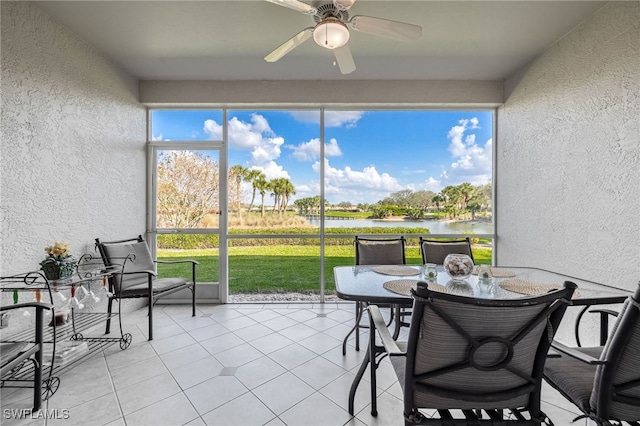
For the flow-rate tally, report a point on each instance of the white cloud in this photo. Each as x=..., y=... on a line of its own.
x=256, y=137
x=272, y=170
x=331, y=118
x=213, y=129
x=474, y=165
x=431, y=184
x=309, y=151
x=368, y=178
x=458, y=145
x=472, y=161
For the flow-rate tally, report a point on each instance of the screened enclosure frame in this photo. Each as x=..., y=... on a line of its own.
x=222, y=146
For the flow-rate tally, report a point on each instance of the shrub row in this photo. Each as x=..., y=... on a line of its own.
x=204, y=241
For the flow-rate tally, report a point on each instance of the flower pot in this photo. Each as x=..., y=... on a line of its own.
x=58, y=271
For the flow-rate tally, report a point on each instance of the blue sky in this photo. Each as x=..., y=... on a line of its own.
x=368, y=154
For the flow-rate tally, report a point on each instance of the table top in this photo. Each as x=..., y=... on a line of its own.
x=366, y=284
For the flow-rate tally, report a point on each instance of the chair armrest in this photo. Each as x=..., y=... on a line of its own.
x=576, y=354
x=142, y=271
x=195, y=262
x=377, y=323
x=27, y=305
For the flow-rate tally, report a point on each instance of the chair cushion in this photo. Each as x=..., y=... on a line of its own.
x=380, y=253
x=437, y=252
x=140, y=261
x=160, y=285
x=573, y=378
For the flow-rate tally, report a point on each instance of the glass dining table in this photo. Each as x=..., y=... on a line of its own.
x=392, y=284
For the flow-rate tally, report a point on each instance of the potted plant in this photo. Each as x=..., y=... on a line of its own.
x=59, y=263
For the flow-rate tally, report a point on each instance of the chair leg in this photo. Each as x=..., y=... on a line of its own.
x=109, y=308
x=193, y=300
x=151, y=302
x=373, y=366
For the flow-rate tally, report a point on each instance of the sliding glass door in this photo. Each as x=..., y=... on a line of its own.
x=187, y=171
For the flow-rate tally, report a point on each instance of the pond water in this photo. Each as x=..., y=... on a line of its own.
x=435, y=226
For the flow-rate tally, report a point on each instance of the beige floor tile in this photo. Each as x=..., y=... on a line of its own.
x=246, y=410
x=174, y=410
x=317, y=410
x=283, y=392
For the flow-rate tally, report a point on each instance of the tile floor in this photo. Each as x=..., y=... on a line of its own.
x=235, y=364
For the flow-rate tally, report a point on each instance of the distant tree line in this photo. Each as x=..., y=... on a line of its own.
x=188, y=188
x=452, y=200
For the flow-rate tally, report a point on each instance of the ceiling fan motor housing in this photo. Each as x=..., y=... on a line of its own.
x=329, y=10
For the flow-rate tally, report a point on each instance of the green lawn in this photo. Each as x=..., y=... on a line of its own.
x=279, y=268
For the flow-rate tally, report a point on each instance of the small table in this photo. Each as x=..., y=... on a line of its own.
x=367, y=284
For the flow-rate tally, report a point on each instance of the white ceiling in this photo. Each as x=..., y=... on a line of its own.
x=227, y=40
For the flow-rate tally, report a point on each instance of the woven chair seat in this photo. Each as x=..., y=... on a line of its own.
x=160, y=285
x=574, y=379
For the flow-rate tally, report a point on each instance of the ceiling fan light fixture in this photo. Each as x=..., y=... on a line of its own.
x=331, y=33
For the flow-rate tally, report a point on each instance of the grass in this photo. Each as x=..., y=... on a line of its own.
x=278, y=268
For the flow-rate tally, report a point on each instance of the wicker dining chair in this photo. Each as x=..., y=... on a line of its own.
x=471, y=361
x=603, y=381
x=378, y=251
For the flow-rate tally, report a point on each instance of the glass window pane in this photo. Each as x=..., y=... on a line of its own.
x=186, y=125
x=187, y=193
x=408, y=170
x=200, y=247
x=285, y=269
x=274, y=166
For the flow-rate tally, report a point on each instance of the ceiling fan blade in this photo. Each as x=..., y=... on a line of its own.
x=343, y=4
x=289, y=45
x=345, y=59
x=295, y=5
x=386, y=27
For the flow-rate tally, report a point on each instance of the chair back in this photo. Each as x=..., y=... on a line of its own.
x=435, y=251
x=388, y=251
x=129, y=256
x=616, y=388
x=468, y=353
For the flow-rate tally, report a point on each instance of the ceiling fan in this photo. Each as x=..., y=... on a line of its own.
x=331, y=30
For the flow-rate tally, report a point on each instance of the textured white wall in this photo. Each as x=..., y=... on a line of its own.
x=568, y=154
x=72, y=159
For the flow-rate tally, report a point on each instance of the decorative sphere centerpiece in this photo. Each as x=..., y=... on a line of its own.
x=458, y=266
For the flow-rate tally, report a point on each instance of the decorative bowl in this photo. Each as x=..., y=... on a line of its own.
x=458, y=266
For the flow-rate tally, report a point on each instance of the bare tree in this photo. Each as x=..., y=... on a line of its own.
x=188, y=184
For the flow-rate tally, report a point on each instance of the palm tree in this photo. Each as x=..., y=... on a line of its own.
x=466, y=191
x=236, y=174
x=274, y=187
x=261, y=184
x=453, y=195
x=287, y=191
x=438, y=199
x=252, y=176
